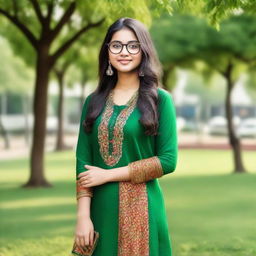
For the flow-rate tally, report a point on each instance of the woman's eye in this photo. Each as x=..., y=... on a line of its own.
x=116, y=46
x=133, y=46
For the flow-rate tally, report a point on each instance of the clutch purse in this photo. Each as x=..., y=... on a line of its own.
x=86, y=250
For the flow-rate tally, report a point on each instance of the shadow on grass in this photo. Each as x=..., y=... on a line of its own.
x=37, y=212
x=204, y=212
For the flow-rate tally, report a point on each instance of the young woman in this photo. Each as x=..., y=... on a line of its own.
x=127, y=140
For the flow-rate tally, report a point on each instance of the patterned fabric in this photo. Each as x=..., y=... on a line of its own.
x=145, y=169
x=133, y=234
x=81, y=191
x=103, y=134
x=107, y=198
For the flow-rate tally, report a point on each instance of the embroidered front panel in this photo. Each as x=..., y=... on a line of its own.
x=103, y=132
x=81, y=191
x=145, y=169
x=133, y=233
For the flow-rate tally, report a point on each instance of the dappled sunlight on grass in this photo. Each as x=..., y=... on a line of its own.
x=207, y=213
x=210, y=211
x=36, y=202
x=56, y=217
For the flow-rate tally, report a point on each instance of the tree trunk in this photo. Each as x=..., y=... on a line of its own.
x=44, y=64
x=83, y=83
x=5, y=135
x=167, y=69
x=166, y=73
x=25, y=101
x=37, y=178
x=233, y=139
x=60, y=145
x=2, y=128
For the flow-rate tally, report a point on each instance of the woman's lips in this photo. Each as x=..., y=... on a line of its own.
x=124, y=62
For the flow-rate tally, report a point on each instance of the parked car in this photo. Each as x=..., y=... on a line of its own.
x=14, y=123
x=218, y=125
x=247, y=128
x=181, y=122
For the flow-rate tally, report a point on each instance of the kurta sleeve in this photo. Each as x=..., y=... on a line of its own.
x=83, y=154
x=165, y=160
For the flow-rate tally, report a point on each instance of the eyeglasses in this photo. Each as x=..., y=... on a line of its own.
x=133, y=47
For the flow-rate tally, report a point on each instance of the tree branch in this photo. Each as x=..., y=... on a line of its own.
x=68, y=43
x=244, y=59
x=28, y=34
x=15, y=8
x=49, y=13
x=64, y=19
x=37, y=10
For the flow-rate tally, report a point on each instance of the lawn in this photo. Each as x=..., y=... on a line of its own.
x=211, y=212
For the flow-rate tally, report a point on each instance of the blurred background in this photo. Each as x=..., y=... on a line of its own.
x=49, y=64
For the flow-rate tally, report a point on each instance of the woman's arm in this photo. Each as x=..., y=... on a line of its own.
x=165, y=160
x=84, y=227
x=83, y=207
x=118, y=174
x=162, y=163
x=83, y=156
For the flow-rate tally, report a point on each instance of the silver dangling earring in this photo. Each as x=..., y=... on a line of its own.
x=141, y=73
x=109, y=70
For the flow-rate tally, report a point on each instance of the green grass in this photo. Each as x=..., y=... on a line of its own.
x=210, y=211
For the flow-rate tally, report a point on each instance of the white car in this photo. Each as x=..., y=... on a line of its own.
x=218, y=125
x=181, y=122
x=247, y=128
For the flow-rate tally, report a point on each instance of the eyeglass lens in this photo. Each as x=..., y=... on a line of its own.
x=132, y=47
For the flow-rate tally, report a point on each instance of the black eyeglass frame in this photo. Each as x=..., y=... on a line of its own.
x=108, y=44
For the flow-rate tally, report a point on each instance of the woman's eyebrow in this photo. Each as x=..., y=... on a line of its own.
x=136, y=41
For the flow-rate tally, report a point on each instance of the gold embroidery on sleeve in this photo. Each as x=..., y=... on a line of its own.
x=81, y=191
x=145, y=169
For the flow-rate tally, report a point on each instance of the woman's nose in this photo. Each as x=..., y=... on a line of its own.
x=124, y=51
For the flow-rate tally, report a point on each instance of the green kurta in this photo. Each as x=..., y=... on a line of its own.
x=135, y=145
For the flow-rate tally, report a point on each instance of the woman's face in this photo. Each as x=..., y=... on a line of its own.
x=125, y=61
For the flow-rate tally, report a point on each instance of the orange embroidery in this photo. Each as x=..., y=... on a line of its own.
x=103, y=134
x=133, y=235
x=81, y=191
x=145, y=169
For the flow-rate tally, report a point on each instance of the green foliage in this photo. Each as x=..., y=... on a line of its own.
x=251, y=81
x=210, y=92
x=14, y=74
x=218, y=10
x=182, y=40
x=19, y=45
x=238, y=35
x=175, y=38
x=85, y=12
x=214, y=10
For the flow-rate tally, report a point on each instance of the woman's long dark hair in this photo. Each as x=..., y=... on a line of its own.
x=148, y=97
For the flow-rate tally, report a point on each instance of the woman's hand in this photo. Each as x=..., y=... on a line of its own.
x=84, y=233
x=93, y=177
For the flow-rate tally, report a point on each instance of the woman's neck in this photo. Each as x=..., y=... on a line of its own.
x=127, y=81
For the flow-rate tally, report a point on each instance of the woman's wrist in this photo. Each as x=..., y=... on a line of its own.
x=83, y=215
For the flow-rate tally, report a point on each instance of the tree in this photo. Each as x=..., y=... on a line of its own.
x=15, y=77
x=60, y=72
x=79, y=65
x=18, y=13
x=39, y=23
x=218, y=50
x=176, y=43
x=214, y=10
x=228, y=57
